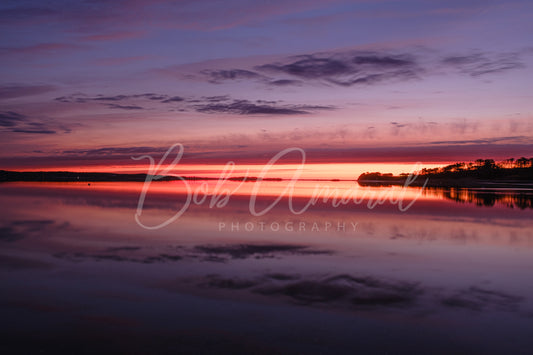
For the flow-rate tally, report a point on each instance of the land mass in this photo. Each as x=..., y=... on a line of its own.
x=68, y=176
x=481, y=173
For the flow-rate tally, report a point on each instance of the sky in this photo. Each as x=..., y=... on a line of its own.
x=86, y=85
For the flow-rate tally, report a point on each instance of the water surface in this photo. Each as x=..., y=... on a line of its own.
x=451, y=273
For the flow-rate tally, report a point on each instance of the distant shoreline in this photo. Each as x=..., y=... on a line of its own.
x=68, y=176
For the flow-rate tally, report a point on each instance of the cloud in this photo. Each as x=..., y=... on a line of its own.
x=341, y=68
x=71, y=99
x=205, y=104
x=10, y=118
x=384, y=60
x=82, y=98
x=345, y=68
x=245, y=107
x=358, y=68
x=479, y=64
x=108, y=98
x=310, y=68
x=514, y=139
x=125, y=107
x=172, y=99
x=121, y=102
x=19, y=123
x=217, y=76
x=285, y=82
x=128, y=151
x=34, y=131
x=103, y=99
x=14, y=91
x=218, y=98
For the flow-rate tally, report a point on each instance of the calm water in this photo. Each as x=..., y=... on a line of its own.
x=452, y=273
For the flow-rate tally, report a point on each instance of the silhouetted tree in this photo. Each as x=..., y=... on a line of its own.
x=522, y=162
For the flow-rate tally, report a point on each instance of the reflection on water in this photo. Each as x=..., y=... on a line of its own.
x=486, y=197
x=341, y=279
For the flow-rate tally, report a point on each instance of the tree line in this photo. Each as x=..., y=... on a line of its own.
x=485, y=168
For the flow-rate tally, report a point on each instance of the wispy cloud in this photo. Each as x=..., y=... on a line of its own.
x=361, y=68
x=217, y=76
x=82, y=98
x=513, y=139
x=204, y=104
x=18, y=123
x=347, y=69
x=35, y=130
x=10, y=118
x=285, y=82
x=479, y=64
x=121, y=102
x=116, y=151
x=245, y=107
x=341, y=68
x=125, y=107
x=166, y=100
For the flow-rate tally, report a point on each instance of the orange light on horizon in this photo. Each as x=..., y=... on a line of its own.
x=317, y=171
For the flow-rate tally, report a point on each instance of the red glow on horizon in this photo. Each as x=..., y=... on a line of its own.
x=319, y=171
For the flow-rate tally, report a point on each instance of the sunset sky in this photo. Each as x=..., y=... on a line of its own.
x=85, y=85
